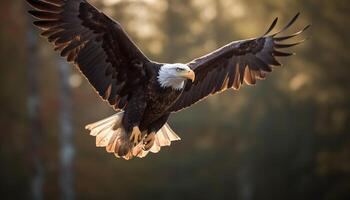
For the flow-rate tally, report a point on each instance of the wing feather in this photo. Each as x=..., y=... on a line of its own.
x=96, y=44
x=239, y=62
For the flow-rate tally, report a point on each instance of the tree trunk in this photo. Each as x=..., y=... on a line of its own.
x=245, y=183
x=66, y=138
x=33, y=102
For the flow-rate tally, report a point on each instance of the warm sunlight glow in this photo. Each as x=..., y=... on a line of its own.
x=75, y=80
x=110, y=2
x=298, y=81
x=238, y=10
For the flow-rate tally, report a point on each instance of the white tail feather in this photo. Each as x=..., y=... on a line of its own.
x=109, y=133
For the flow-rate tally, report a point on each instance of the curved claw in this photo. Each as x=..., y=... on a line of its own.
x=149, y=141
x=135, y=137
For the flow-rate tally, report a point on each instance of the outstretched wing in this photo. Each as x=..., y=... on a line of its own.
x=96, y=44
x=238, y=62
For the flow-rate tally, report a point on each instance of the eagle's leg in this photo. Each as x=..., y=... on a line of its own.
x=133, y=117
x=153, y=129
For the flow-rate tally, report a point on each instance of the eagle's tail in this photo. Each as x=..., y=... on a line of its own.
x=110, y=133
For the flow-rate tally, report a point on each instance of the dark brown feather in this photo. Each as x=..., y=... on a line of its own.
x=281, y=54
x=282, y=46
x=44, y=15
x=238, y=62
x=57, y=2
x=44, y=6
x=289, y=24
x=272, y=26
x=49, y=32
x=47, y=24
x=96, y=44
x=293, y=35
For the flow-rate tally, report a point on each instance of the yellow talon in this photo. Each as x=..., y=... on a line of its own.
x=149, y=140
x=136, y=137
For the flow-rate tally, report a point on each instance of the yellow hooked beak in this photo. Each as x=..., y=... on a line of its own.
x=189, y=75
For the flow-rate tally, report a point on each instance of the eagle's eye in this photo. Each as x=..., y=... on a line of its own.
x=178, y=69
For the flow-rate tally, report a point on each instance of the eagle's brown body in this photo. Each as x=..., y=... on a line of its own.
x=150, y=108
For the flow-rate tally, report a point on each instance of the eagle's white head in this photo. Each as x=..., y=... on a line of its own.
x=174, y=75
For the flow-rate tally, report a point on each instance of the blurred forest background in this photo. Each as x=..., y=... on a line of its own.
x=286, y=138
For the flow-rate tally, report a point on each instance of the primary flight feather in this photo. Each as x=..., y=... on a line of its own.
x=143, y=92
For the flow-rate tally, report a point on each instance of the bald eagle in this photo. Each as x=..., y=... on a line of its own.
x=143, y=92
